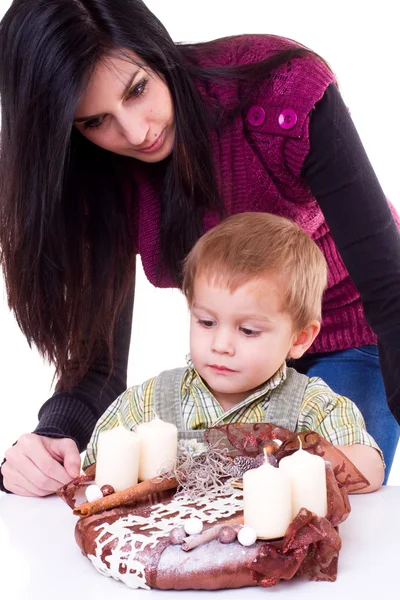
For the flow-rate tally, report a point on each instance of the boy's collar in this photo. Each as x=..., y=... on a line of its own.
x=273, y=382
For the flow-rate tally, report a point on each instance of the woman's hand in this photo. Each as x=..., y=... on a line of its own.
x=38, y=465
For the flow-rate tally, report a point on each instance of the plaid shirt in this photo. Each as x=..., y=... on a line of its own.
x=334, y=417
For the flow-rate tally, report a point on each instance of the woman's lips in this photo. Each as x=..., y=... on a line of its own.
x=157, y=144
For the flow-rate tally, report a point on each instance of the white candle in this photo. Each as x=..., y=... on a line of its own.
x=266, y=501
x=307, y=482
x=117, y=462
x=158, y=447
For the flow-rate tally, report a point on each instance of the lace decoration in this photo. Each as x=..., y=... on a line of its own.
x=130, y=535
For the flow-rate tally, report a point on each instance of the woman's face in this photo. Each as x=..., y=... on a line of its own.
x=127, y=109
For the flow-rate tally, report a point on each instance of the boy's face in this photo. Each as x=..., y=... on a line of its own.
x=238, y=340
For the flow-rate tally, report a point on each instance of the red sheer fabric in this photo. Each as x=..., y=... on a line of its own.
x=250, y=439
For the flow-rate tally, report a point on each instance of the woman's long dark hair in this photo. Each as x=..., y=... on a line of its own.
x=66, y=247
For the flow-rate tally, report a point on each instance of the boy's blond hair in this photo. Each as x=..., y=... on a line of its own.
x=251, y=245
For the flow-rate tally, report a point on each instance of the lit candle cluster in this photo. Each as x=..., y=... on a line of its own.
x=273, y=496
x=124, y=456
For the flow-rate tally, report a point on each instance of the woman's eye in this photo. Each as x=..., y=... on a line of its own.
x=138, y=89
x=93, y=123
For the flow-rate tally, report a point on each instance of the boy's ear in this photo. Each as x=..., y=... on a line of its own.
x=303, y=339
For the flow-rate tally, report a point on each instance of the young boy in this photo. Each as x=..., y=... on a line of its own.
x=254, y=286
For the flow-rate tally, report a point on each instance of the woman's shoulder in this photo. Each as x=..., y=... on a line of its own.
x=243, y=49
x=299, y=80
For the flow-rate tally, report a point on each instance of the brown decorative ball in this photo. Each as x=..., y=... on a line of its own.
x=271, y=447
x=227, y=535
x=106, y=490
x=177, y=535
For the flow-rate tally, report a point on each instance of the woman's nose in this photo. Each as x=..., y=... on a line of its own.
x=134, y=129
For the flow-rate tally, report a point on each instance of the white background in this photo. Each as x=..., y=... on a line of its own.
x=359, y=40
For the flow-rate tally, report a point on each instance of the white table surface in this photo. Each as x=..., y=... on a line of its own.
x=40, y=560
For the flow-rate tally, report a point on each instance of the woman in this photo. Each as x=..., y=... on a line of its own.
x=116, y=141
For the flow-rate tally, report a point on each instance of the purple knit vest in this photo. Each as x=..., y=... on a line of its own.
x=258, y=168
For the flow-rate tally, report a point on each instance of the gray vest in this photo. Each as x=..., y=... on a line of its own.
x=283, y=406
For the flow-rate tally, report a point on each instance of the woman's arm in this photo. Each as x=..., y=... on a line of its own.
x=41, y=461
x=342, y=180
x=74, y=414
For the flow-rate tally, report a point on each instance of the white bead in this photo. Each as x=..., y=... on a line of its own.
x=93, y=492
x=193, y=526
x=247, y=536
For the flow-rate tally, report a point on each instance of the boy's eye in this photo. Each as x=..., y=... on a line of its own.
x=206, y=323
x=250, y=332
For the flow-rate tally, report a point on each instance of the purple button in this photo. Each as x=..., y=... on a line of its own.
x=287, y=119
x=256, y=116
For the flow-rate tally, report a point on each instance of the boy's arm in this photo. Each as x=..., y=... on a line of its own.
x=134, y=406
x=367, y=460
x=338, y=420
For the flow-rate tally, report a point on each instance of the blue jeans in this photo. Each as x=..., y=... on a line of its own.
x=356, y=373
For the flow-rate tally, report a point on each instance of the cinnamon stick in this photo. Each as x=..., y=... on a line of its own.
x=131, y=494
x=192, y=541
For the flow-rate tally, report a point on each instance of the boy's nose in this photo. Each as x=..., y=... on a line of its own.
x=223, y=342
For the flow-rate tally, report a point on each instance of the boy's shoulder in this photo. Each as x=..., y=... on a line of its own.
x=318, y=388
x=318, y=383
x=320, y=398
x=167, y=377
